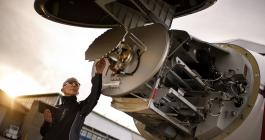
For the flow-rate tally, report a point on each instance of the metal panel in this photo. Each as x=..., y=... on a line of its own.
x=104, y=43
x=155, y=37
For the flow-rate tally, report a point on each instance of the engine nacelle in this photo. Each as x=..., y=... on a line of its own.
x=176, y=86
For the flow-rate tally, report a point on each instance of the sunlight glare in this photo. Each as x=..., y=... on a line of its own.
x=16, y=83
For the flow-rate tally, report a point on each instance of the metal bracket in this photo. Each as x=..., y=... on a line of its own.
x=148, y=11
x=171, y=120
x=157, y=11
x=126, y=16
x=186, y=102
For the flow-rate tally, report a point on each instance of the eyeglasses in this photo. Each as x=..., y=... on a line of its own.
x=73, y=82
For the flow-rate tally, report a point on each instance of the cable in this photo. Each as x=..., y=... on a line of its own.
x=137, y=66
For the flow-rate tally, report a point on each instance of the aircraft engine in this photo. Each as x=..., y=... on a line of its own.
x=176, y=86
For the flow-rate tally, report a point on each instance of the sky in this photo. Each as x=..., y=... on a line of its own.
x=37, y=55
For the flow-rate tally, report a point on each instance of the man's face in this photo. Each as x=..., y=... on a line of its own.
x=71, y=88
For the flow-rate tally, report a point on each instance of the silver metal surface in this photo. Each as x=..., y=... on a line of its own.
x=104, y=43
x=180, y=79
x=171, y=120
x=185, y=101
x=156, y=39
x=189, y=71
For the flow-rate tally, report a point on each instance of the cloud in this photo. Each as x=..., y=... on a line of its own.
x=42, y=49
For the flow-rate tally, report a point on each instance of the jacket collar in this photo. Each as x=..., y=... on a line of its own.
x=69, y=100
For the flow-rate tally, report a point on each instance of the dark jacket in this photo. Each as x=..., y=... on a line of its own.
x=70, y=115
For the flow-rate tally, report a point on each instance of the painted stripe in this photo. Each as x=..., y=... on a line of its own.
x=154, y=93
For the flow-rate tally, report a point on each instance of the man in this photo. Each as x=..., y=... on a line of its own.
x=66, y=122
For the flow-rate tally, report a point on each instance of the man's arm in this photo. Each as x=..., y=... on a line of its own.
x=90, y=102
x=45, y=128
x=47, y=124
